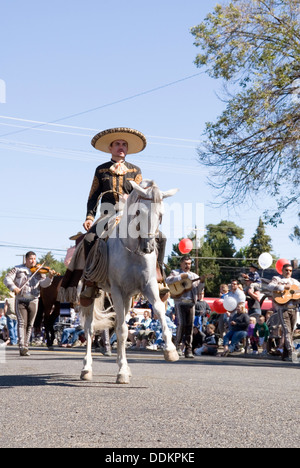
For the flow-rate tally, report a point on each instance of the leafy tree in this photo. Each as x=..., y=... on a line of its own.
x=217, y=242
x=4, y=291
x=173, y=259
x=220, y=237
x=52, y=263
x=260, y=242
x=254, y=46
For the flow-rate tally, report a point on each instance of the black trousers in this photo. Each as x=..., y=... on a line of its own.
x=26, y=312
x=186, y=318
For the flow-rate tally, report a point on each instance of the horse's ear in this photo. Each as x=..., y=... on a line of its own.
x=140, y=190
x=169, y=193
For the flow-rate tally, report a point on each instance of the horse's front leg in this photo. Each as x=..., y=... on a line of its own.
x=152, y=294
x=121, y=308
x=87, y=372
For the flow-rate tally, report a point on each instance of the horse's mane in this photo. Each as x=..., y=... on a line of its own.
x=146, y=184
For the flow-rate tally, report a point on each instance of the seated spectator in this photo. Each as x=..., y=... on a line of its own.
x=143, y=303
x=158, y=339
x=261, y=335
x=153, y=333
x=198, y=338
x=143, y=325
x=72, y=334
x=146, y=320
x=132, y=325
x=148, y=333
x=210, y=344
x=238, y=327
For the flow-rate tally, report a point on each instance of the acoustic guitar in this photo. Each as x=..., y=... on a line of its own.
x=287, y=295
x=178, y=288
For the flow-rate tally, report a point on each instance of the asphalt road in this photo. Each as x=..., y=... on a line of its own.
x=204, y=403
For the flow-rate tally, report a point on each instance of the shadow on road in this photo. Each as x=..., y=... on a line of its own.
x=58, y=380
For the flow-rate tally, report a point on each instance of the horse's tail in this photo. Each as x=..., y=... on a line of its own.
x=102, y=319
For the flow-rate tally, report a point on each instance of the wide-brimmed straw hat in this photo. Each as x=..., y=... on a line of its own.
x=76, y=236
x=135, y=139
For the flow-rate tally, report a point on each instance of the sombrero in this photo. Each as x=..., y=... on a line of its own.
x=76, y=236
x=135, y=139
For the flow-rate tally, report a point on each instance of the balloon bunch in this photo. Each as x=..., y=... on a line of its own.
x=265, y=260
x=228, y=304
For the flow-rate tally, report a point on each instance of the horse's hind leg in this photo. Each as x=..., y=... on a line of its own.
x=87, y=372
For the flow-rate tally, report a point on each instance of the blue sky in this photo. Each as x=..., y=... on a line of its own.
x=88, y=66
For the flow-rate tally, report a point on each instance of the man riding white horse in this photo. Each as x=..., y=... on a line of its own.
x=112, y=185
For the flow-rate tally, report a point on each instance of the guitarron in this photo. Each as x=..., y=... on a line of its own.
x=288, y=295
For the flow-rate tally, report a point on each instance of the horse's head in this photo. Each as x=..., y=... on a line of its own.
x=146, y=208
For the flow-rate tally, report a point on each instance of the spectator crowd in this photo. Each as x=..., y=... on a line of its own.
x=246, y=329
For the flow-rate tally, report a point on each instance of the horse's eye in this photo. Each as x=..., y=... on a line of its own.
x=138, y=212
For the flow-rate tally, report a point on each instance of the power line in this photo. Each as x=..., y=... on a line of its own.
x=103, y=106
x=75, y=127
x=78, y=155
x=10, y=244
x=38, y=129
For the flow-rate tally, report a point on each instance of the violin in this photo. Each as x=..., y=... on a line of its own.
x=43, y=270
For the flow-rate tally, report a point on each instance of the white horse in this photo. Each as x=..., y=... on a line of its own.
x=132, y=260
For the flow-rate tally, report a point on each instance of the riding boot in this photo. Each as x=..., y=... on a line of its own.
x=89, y=294
x=163, y=291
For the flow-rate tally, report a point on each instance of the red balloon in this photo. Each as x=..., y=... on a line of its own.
x=218, y=306
x=185, y=246
x=280, y=263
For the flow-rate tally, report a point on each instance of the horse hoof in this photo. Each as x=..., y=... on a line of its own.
x=123, y=379
x=171, y=356
x=86, y=375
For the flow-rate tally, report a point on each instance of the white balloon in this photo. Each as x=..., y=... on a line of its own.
x=230, y=303
x=265, y=260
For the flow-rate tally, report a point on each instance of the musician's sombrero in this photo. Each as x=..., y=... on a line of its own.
x=135, y=139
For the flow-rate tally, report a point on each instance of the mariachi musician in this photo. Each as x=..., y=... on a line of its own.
x=25, y=282
x=185, y=304
x=283, y=287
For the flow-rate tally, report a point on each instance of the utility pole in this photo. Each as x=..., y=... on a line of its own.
x=197, y=246
x=23, y=257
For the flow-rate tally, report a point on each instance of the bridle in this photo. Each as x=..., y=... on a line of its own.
x=150, y=235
